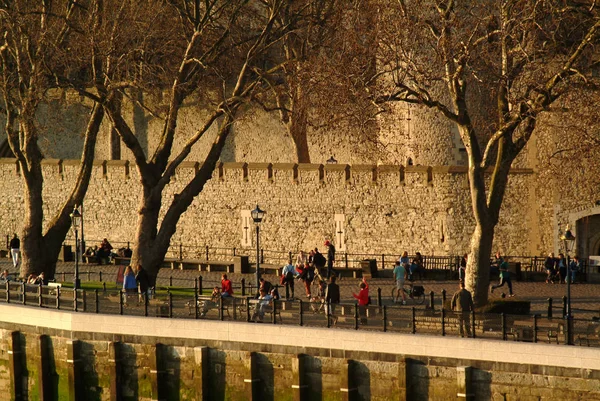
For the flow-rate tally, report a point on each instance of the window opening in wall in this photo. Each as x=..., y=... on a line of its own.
x=340, y=232
x=246, y=228
x=409, y=162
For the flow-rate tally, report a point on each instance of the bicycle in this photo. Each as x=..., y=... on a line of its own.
x=415, y=292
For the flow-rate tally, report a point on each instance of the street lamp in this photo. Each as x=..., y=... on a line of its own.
x=257, y=215
x=568, y=242
x=76, y=218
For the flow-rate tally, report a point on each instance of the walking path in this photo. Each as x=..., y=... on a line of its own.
x=585, y=298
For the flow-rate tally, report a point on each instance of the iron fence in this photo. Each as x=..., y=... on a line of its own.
x=192, y=303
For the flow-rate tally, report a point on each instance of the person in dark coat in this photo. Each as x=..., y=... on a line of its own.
x=332, y=298
x=462, y=304
x=141, y=277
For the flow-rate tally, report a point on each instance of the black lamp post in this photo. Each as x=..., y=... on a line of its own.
x=76, y=218
x=568, y=241
x=257, y=215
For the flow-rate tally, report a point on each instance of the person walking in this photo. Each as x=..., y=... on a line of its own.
x=15, y=250
x=143, y=281
x=400, y=274
x=363, y=300
x=462, y=304
x=129, y=283
x=504, y=279
x=287, y=276
x=330, y=258
x=332, y=299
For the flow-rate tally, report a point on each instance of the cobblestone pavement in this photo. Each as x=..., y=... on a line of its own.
x=585, y=298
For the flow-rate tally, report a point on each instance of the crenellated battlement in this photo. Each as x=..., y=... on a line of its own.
x=333, y=174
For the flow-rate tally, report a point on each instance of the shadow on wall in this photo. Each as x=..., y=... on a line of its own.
x=130, y=379
x=265, y=375
x=217, y=374
x=315, y=378
x=362, y=377
x=418, y=385
x=173, y=373
x=481, y=383
x=93, y=392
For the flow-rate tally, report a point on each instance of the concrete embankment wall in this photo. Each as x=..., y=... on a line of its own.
x=77, y=356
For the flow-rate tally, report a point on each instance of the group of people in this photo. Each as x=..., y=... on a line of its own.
x=136, y=282
x=309, y=267
x=412, y=267
x=556, y=268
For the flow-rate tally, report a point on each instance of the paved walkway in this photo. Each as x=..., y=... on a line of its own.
x=585, y=298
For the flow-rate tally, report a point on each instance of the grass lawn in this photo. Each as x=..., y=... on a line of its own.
x=97, y=285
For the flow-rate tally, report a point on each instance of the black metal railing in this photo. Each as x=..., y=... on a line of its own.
x=192, y=303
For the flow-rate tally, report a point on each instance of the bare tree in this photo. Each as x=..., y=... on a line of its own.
x=39, y=39
x=220, y=52
x=520, y=56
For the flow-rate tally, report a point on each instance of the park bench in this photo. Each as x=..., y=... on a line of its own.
x=121, y=261
x=207, y=265
x=523, y=329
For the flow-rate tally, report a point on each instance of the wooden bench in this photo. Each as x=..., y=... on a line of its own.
x=523, y=329
x=121, y=261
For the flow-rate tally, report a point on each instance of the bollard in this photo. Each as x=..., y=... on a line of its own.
x=248, y=309
x=549, y=308
x=443, y=317
x=146, y=302
x=301, y=313
x=384, y=318
x=40, y=299
x=243, y=287
x=414, y=320
x=97, y=300
x=569, y=333
x=120, y=302
x=431, y=300
x=196, y=310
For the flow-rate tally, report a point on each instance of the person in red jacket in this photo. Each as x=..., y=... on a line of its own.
x=363, y=300
x=226, y=288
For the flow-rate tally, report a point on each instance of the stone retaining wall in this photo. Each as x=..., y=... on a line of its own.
x=96, y=357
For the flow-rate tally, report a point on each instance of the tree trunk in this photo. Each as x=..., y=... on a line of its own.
x=33, y=251
x=478, y=266
x=145, y=252
x=298, y=130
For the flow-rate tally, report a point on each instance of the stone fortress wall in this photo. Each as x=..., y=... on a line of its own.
x=383, y=211
x=364, y=208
